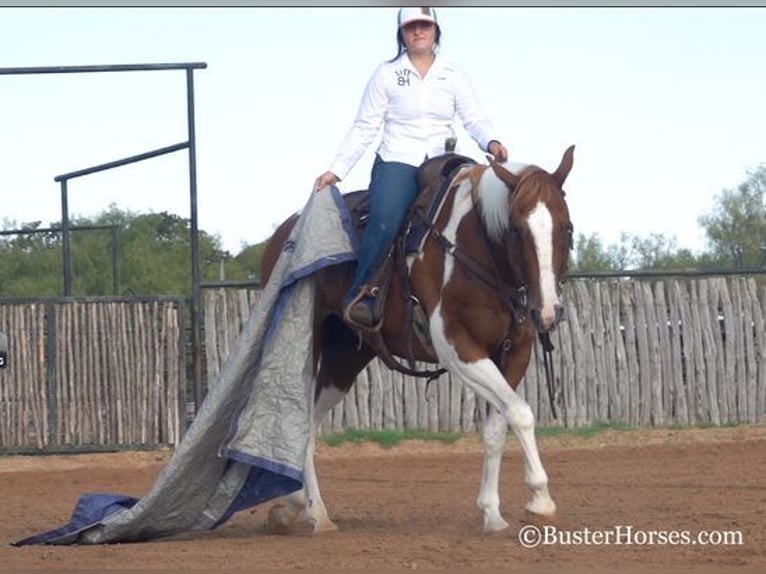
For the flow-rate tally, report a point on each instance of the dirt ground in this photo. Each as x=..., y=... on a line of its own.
x=413, y=506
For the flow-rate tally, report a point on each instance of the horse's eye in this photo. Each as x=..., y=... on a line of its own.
x=568, y=229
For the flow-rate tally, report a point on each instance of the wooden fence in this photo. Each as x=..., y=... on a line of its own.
x=639, y=352
x=85, y=373
x=112, y=371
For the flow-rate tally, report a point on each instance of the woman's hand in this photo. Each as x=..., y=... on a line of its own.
x=498, y=151
x=327, y=178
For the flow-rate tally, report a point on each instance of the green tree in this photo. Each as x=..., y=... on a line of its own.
x=655, y=251
x=590, y=254
x=736, y=228
x=30, y=264
x=247, y=263
x=154, y=257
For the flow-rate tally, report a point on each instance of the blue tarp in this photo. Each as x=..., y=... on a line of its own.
x=248, y=443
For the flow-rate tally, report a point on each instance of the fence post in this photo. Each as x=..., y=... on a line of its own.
x=50, y=366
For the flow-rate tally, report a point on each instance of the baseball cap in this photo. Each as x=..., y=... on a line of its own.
x=414, y=14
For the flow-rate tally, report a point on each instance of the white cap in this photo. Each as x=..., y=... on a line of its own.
x=414, y=14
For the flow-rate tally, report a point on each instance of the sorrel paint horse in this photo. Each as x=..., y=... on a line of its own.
x=514, y=226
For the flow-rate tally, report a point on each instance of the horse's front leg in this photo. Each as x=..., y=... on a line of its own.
x=494, y=432
x=516, y=366
x=518, y=414
x=486, y=380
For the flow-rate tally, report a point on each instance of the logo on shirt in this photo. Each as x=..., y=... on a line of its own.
x=403, y=77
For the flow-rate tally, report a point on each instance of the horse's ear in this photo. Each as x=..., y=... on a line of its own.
x=562, y=171
x=505, y=176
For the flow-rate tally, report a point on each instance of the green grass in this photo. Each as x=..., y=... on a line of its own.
x=392, y=437
x=581, y=432
x=551, y=431
x=597, y=428
x=387, y=437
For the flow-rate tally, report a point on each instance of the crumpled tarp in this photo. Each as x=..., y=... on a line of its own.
x=248, y=442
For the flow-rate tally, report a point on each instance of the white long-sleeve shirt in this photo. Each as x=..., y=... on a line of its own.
x=416, y=114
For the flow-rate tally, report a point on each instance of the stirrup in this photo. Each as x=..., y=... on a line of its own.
x=357, y=303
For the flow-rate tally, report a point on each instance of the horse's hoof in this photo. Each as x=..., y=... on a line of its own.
x=280, y=520
x=537, y=519
x=325, y=525
x=495, y=525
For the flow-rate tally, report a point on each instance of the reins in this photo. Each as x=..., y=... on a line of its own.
x=550, y=380
x=511, y=296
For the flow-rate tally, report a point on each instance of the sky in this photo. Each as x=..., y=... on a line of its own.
x=664, y=105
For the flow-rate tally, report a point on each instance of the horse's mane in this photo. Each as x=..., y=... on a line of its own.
x=494, y=198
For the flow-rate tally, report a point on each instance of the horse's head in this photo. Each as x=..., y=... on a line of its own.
x=529, y=221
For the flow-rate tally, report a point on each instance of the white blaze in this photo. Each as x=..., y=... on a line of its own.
x=540, y=225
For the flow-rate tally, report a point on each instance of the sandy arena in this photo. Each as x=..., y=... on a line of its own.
x=413, y=506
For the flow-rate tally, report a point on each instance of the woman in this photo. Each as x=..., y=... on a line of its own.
x=414, y=97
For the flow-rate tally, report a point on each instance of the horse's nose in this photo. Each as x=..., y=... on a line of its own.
x=546, y=321
x=537, y=320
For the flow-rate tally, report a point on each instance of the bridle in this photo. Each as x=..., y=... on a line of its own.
x=516, y=297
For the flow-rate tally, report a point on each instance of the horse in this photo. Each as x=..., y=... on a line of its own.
x=488, y=275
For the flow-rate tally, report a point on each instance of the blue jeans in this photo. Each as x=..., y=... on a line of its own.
x=393, y=188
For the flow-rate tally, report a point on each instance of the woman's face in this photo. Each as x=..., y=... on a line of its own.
x=419, y=36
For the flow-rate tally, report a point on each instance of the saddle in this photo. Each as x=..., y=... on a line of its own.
x=434, y=178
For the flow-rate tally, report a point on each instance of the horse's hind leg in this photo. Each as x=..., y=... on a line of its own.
x=340, y=363
x=315, y=512
x=305, y=507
